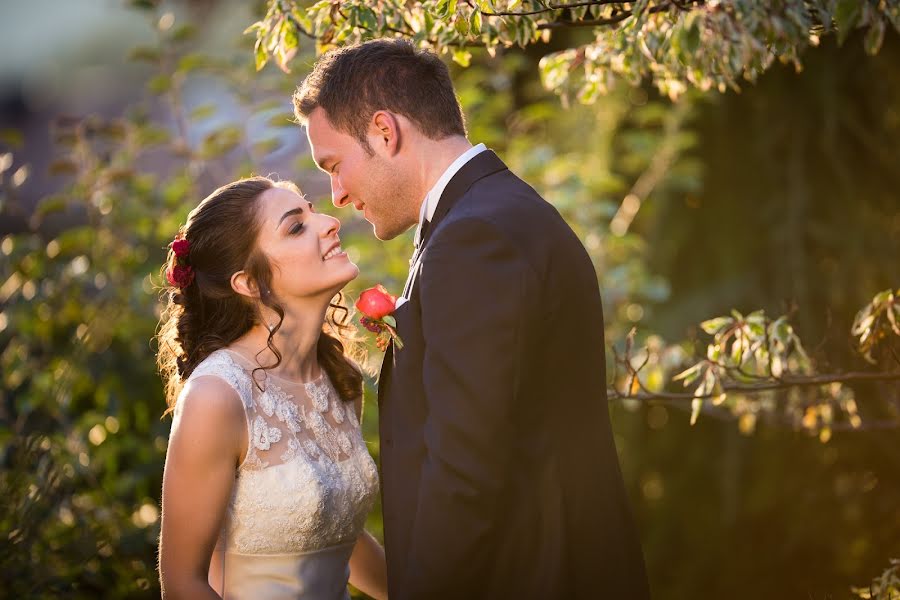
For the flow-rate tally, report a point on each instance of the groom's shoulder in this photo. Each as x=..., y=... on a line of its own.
x=513, y=207
x=503, y=195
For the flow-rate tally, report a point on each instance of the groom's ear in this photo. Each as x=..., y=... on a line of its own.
x=384, y=130
x=244, y=285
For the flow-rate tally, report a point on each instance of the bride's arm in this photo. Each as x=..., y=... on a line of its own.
x=204, y=447
x=368, y=572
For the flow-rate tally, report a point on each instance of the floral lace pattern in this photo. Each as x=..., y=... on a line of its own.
x=307, y=481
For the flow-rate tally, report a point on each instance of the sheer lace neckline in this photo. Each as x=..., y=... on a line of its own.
x=248, y=363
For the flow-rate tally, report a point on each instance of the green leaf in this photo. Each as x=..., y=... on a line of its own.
x=260, y=55
x=184, y=33
x=696, y=407
x=874, y=37
x=714, y=326
x=267, y=146
x=62, y=166
x=689, y=375
x=279, y=119
x=259, y=25
x=221, y=142
x=461, y=25
x=51, y=204
x=160, y=84
x=192, y=62
x=846, y=18
x=368, y=19
x=144, y=54
x=203, y=111
x=462, y=57
x=12, y=137
x=882, y=297
x=475, y=22
x=390, y=321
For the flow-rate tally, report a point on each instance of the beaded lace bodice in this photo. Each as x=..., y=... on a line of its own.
x=308, y=481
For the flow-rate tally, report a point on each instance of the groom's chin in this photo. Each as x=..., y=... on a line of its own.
x=386, y=232
x=383, y=234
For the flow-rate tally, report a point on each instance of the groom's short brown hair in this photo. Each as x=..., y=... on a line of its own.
x=354, y=82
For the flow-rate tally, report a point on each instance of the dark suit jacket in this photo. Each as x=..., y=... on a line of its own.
x=499, y=473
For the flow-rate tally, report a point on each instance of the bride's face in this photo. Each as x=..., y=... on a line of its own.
x=302, y=246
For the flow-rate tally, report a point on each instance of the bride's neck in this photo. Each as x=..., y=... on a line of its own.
x=296, y=340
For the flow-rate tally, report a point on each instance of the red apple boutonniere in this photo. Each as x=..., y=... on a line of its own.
x=376, y=305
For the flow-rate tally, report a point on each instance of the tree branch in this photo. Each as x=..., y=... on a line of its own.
x=550, y=8
x=782, y=384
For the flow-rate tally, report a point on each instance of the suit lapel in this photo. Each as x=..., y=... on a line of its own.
x=484, y=164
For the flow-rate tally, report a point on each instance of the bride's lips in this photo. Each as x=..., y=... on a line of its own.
x=334, y=251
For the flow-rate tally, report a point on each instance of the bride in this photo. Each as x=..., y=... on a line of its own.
x=267, y=480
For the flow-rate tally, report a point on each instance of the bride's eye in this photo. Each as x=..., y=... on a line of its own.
x=295, y=229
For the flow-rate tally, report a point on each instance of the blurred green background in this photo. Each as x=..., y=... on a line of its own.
x=116, y=120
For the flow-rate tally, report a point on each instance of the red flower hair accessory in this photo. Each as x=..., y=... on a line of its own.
x=180, y=274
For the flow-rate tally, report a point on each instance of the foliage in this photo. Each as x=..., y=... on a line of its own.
x=884, y=587
x=699, y=43
x=876, y=324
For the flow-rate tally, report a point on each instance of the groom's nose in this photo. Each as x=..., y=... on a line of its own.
x=339, y=196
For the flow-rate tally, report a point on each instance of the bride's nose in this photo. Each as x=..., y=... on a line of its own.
x=330, y=226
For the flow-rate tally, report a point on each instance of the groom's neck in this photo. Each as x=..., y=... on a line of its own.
x=436, y=155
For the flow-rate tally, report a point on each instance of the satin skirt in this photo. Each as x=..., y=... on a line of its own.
x=318, y=575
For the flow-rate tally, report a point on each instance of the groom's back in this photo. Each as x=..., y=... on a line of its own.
x=568, y=527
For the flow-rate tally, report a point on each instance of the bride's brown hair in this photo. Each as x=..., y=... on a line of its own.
x=207, y=314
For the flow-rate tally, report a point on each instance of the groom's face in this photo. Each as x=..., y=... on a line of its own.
x=372, y=183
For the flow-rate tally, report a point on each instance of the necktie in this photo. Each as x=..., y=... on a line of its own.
x=423, y=229
x=420, y=240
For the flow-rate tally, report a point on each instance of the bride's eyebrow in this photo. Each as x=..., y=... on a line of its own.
x=293, y=211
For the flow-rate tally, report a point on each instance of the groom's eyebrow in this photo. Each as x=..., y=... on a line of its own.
x=293, y=211
x=322, y=163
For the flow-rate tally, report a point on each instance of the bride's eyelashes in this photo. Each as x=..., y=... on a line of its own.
x=296, y=228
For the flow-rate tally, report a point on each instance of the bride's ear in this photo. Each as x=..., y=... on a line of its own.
x=244, y=285
x=384, y=132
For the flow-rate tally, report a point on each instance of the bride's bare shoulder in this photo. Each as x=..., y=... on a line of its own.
x=209, y=402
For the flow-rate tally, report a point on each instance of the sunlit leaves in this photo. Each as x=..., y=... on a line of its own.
x=877, y=328
x=710, y=46
x=883, y=587
x=754, y=366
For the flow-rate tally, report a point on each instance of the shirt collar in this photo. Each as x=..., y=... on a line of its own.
x=429, y=205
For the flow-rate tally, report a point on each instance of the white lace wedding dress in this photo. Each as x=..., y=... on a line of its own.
x=300, y=496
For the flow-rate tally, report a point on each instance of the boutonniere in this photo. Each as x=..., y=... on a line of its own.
x=376, y=305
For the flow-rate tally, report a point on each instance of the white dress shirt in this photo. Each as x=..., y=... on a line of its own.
x=429, y=205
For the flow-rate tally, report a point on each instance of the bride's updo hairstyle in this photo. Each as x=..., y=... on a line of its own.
x=203, y=313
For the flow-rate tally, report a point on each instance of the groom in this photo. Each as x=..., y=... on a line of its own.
x=499, y=473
